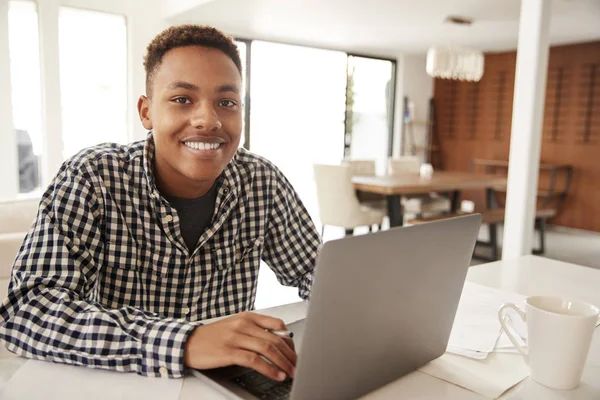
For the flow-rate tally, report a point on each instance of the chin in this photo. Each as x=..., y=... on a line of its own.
x=204, y=175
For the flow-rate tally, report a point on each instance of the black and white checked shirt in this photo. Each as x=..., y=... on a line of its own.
x=104, y=278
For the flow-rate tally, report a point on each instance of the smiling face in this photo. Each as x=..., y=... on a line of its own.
x=195, y=114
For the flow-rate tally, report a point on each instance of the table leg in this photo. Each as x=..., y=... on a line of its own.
x=490, y=198
x=455, y=201
x=395, y=213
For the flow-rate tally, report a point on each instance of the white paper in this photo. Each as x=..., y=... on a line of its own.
x=476, y=326
x=476, y=355
x=490, y=377
x=40, y=380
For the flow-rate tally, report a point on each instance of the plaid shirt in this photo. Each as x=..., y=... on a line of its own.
x=104, y=278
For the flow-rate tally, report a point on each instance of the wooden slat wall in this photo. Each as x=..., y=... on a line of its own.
x=474, y=121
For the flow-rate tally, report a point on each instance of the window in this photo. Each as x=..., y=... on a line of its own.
x=93, y=78
x=24, y=52
x=298, y=104
x=297, y=119
x=369, y=109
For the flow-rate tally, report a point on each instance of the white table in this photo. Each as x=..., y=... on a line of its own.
x=527, y=275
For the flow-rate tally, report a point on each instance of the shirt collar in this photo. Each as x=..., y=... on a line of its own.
x=149, y=165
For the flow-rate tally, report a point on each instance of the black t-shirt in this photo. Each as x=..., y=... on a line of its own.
x=194, y=215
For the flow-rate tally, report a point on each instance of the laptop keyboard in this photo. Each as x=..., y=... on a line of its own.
x=263, y=387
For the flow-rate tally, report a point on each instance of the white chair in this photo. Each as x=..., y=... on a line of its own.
x=16, y=217
x=361, y=167
x=366, y=168
x=419, y=205
x=404, y=165
x=338, y=204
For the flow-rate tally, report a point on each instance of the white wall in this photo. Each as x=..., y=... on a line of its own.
x=413, y=82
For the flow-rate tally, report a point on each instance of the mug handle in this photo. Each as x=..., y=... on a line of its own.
x=501, y=313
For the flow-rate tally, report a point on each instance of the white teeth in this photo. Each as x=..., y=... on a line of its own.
x=202, y=145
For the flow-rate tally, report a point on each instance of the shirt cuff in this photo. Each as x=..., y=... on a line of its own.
x=163, y=346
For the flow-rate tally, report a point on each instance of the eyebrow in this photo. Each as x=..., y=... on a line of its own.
x=228, y=88
x=191, y=86
x=183, y=85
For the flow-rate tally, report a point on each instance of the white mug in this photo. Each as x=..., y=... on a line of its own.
x=426, y=171
x=559, y=333
x=467, y=206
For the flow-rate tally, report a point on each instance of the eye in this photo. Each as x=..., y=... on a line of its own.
x=227, y=103
x=182, y=100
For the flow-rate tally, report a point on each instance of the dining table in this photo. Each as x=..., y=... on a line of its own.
x=449, y=183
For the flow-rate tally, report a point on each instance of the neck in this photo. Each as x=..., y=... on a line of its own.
x=179, y=186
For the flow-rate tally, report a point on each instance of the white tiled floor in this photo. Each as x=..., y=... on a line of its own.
x=570, y=245
x=578, y=247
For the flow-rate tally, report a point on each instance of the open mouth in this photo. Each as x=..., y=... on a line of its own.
x=205, y=146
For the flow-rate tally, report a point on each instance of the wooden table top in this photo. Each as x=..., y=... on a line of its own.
x=504, y=164
x=441, y=181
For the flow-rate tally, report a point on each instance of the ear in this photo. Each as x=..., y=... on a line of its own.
x=143, y=107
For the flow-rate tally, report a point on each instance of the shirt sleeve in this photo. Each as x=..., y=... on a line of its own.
x=50, y=312
x=292, y=241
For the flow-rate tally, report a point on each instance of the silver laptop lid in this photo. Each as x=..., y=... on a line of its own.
x=382, y=305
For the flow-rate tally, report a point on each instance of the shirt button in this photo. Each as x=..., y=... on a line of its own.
x=186, y=311
x=226, y=190
x=169, y=218
x=163, y=371
x=139, y=263
x=237, y=255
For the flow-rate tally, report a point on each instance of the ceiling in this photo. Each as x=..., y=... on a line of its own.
x=389, y=27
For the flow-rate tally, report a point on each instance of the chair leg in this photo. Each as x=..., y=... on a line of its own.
x=541, y=224
x=349, y=232
x=370, y=229
x=542, y=236
x=493, y=229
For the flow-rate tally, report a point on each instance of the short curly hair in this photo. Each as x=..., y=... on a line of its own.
x=186, y=35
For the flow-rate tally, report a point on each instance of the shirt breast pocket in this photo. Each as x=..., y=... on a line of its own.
x=118, y=283
x=135, y=275
x=235, y=275
x=229, y=256
x=223, y=257
x=249, y=250
x=120, y=252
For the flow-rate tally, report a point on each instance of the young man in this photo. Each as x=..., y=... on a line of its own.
x=134, y=244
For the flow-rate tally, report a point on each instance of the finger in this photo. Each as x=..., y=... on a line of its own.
x=268, y=350
x=252, y=360
x=271, y=323
x=267, y=322
x=290, y=342
x=285, y=345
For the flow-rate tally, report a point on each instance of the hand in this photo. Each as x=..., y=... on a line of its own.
x=242, y=340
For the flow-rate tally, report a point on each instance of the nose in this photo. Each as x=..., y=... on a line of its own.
x=205, y=117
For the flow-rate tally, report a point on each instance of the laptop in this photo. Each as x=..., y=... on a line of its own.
x=382, y=305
